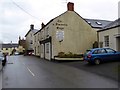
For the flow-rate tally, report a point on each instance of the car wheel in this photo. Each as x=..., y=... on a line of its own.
x=97, y=61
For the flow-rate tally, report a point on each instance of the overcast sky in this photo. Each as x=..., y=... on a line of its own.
x=17, y=15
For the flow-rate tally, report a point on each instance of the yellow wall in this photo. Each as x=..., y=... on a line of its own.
x=78, y=34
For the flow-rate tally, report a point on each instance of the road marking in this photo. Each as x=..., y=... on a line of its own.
x=30, y=71
x=23, y=63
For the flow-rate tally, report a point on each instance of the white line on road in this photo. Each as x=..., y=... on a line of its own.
x=30, y=71
x=23, y=63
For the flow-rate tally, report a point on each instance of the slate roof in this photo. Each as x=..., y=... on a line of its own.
x=34, y=31
x=113, y=24
x=9, y=45
x=96, y=23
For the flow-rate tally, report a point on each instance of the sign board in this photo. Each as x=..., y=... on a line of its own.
x=60, y=35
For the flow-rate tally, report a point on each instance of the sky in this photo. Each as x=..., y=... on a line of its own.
x=16, y=16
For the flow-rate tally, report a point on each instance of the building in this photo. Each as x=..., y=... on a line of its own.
x=109, y=36
x=22, y=45
x=9, y=48
x=30, y=39
x=68, y=32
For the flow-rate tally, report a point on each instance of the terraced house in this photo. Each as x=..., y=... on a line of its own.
x=109, y=36
x=29, y=45
x=68, y=32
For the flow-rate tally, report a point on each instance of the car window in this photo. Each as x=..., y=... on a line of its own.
x=95, y=52
x=99, y=51
x=1, y=54
x=110, y=50
x=102, y=51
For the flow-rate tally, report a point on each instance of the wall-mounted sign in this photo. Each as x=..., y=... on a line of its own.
x=60, y=35
x=60, y=24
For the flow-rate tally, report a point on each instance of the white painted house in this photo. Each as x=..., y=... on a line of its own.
x=110, y=35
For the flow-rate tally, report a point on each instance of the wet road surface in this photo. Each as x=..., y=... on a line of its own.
x=33, y=72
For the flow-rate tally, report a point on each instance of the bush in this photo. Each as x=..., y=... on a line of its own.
x=69, y=55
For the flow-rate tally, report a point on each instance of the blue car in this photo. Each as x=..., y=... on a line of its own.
x=99, y=55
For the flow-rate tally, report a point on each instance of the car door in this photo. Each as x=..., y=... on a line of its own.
x=101, y=53
x=111, y=54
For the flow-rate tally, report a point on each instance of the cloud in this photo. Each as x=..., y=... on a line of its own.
x=14, y=21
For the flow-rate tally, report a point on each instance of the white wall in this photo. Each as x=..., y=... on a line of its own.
x=112, y=38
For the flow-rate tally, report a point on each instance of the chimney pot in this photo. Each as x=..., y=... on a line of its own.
x=70, y=6
x=31, y=26
x=42, y=25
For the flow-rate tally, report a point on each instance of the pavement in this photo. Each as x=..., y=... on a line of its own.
x=33, y=72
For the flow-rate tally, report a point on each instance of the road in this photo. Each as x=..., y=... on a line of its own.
x=33, y=72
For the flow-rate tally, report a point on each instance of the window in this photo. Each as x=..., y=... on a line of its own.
x=35, y=50
x=99, y=23
x=38, y=37
x=35, y=38
x=47, y=31
x=100, y=51
x=89, y=22
x=38, y=49
x=110, y=50
x=42, y=35
x=106, y=38
x=31, y=42
x=42, y=48
x=47, y=48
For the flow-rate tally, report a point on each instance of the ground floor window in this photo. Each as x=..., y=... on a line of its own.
x=38, y=49
x=47, y=48
x=42, y=48
x=106, y=38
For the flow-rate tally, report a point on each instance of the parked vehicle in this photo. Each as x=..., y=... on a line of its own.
x=98, y=55
x=16, y=53
x=2, y=59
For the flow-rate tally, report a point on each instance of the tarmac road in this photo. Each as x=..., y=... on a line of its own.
x=33, y=72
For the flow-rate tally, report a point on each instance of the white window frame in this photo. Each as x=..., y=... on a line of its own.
x=106, y=40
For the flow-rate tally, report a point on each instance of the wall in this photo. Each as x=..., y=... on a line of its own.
x=112, y=39
x=78, y=34
x=36, y=44
x=29, y=38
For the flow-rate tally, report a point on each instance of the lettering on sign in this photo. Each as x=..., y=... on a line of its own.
x=60, y=25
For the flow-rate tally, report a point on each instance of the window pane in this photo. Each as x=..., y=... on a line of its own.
x=110, y=51
x=106, y=38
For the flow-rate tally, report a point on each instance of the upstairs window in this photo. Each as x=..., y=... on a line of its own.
x=47, y=31
x=31, y=42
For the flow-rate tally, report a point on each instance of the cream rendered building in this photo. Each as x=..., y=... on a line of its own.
x=110, y=36
x=68, y=32
x=30, y=39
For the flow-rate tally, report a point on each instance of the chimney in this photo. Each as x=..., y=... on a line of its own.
x=42, y=25
x=70, y=6
x=31, y=26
